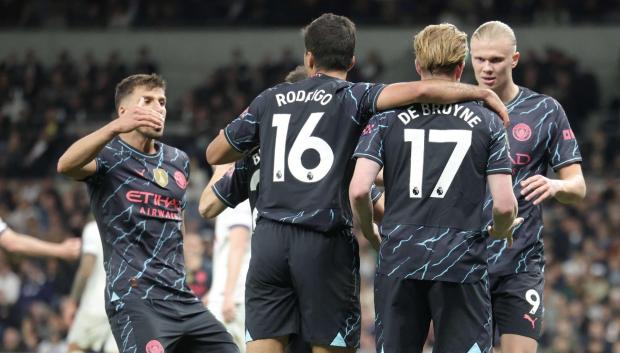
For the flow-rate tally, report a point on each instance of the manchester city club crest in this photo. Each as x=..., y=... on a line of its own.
x=161, y=177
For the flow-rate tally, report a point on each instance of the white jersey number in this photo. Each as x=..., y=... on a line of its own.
x=302, y=143
x=462, y=138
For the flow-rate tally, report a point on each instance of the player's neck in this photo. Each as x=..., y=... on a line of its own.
x=332, y=73
x=138, y=141
x=508, y=92
x=437, y=77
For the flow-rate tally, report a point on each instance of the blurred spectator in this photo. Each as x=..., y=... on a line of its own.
x=183, y=13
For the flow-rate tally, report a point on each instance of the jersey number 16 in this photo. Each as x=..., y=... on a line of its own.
x=302, y=143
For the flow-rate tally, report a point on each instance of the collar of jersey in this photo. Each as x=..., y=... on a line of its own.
x=157, y=154
x=516, y=98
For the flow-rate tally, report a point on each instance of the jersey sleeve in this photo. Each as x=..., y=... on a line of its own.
x=91, y=243
x=3, y=226
x=104, y=161
x=375, y=193
x=499, y=149
x=563, y=147
x=365, y=96
x=242, y=133
x=233, y=187
x=370, y=144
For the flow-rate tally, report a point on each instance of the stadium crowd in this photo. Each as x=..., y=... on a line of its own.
x=38, y=103
x=193, y=13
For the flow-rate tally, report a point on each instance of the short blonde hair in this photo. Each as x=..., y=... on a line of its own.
x=495, y=30
x=440, y=48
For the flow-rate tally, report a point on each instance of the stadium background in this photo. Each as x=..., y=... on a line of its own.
x=60, y=60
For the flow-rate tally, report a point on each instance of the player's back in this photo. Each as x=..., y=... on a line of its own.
x=435, y=160
x=308, y=131
x=435, y=165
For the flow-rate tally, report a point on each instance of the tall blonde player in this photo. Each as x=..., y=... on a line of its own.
x=540, y=136
x=90, y=330
x=231, y=258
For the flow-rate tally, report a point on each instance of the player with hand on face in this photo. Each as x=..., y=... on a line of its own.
x=137, y=186
x=540, y=136
x=437, y=160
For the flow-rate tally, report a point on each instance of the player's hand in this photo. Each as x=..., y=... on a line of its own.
x=507, y=233
x=539, y=188
x=229, y=310
x=71, y=248
x=493, y=102
x=205, y=299
x=138, y=116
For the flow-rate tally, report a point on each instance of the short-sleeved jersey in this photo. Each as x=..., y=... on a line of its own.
x=239, y=216
x=435, y=161
x=3, y=226
x=93, y=299
x=138, y=202
x=540, y=136
x=242, y=182
x=307, y=131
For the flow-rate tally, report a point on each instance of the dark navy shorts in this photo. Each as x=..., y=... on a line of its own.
x=158, y=326
x=305, y=283
x=517, y=301
x=461, y=315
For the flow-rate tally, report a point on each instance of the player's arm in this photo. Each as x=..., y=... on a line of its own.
x=239, y=237
x=29, y=245
x=210, y=205
x=220, y=151
x=238, y=137
x=505, y=207
x=87, y=265
x=570, y=188
x=366, y=171
x=439, y=92
x=78, y=161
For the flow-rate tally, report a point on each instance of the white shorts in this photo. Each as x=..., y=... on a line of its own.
x=236, y=327
x=91, y=331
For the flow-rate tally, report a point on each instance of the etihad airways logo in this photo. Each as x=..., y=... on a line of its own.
x=155, y=205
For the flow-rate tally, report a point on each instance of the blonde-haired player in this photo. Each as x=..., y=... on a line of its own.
x=437, y=161
x=540, y=136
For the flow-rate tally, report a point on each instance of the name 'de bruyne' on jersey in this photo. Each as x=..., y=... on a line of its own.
x=455, y=110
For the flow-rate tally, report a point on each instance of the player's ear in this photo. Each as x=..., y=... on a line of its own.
x=353, y=62
x=418, y=69
x=309, y=61
x=458, y=71
x=515, y=59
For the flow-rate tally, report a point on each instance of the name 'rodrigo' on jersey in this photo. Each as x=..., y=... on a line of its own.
x=435, y=161
x=540, y=136
x=307, y=132
x=138, y=203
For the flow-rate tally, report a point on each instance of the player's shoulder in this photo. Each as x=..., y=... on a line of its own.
x=388, y=116
x=3, y=226
x=173, y=153
x=90, y=230
x=476, y=109
x=528, y=100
